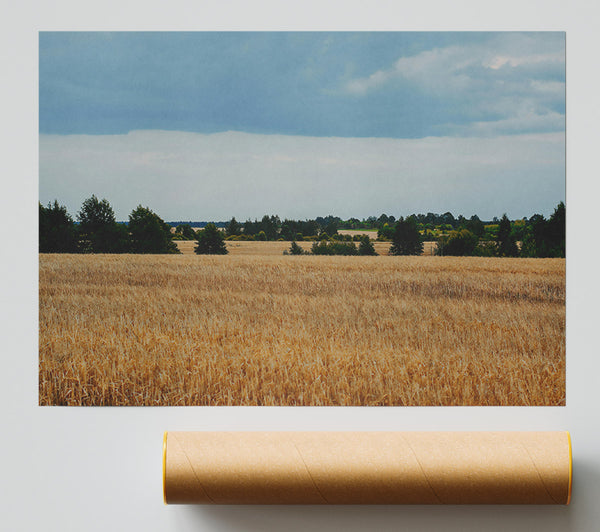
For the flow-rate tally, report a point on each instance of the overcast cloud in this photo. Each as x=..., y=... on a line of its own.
x=191, y=176
x=361, y=84
x=205, y=126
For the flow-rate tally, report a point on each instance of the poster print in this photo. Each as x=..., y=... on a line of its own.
x=302, y=218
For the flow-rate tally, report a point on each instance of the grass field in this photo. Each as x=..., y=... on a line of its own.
x=268, y=329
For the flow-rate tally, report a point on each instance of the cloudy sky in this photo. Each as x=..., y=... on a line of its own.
x=205, y=126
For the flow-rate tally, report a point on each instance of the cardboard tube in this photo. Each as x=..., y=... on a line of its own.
x=367, y=467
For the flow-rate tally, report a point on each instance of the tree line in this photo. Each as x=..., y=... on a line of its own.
x=533, y=237
x=97, y=231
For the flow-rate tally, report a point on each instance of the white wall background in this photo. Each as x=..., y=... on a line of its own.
x=97, y=469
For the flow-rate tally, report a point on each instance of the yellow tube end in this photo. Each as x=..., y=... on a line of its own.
x=570, y=467
x=164, y=467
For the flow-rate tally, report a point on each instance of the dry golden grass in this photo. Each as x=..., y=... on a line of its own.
x=285, y=330
x=372, y=233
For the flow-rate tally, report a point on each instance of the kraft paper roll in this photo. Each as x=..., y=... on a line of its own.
x=367, y=468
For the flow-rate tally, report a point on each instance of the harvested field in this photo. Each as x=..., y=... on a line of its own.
x=372, y=233
x=284, y=330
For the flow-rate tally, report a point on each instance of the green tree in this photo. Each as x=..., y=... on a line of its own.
x=57, y=233
x=331, y=228
x=385, y=232
x=556, y=231
x=505, y=241
x=210, y=241
x=366, y=247
x=406, y=239
x=519, y=229
x=269, y=225
x=233, y=228
x=149, y=233
x=475, y=225
x=250, y=227
x=532, y=239
x=546, y=238
x=290, y=230
x=99, y=230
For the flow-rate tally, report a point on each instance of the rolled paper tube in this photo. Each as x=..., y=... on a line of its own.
x=367, y=467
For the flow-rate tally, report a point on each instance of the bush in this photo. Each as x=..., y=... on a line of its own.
x=457, y=243
x=385, y=232
x=334, y=248
x=320, y=248
x=295, y=249
x=486, y=249
x=185, y=232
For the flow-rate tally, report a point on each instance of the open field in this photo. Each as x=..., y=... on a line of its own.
x=285, y=330
x=277, y=248
x=369, y=232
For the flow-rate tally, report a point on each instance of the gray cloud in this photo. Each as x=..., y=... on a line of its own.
x=192, y=176
x=512, y=82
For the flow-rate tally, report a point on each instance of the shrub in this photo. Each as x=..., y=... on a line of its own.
x=295, y=249
x=334, y=248
x=185, y=232
x=457, y=243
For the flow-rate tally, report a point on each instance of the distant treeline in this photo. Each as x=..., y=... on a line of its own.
x=97, y=231
x=370, y=223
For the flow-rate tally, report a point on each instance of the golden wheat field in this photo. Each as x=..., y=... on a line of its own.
x=307, y=330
